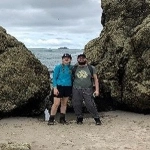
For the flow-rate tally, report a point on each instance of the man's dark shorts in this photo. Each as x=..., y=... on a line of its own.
x=64, y=91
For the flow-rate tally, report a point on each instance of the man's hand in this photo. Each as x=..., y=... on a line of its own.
x=96, y=93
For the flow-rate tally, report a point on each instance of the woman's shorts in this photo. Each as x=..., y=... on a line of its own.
x=64, y=91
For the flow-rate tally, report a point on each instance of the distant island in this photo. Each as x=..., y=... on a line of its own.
x=63, y=48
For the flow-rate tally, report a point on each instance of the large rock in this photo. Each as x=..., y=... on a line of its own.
x=122, y=53
x=24, y=81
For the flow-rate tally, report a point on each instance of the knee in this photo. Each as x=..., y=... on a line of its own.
x=56, y=105
x=64, y=104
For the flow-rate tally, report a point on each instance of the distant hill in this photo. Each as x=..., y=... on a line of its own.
x=63, y=48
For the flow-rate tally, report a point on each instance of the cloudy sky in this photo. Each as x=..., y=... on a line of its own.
x=52, y=23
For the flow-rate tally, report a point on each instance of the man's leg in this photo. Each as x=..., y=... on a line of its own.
x=90, y=105
x=77, y=101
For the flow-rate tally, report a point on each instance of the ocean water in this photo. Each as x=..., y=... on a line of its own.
x=52, y=57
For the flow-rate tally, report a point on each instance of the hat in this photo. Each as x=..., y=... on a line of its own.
x=81, y=55
x=66, y=55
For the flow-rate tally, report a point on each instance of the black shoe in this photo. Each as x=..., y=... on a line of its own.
x=97, y=121
x=79, y=120
x=63, y=121
x=51, y=122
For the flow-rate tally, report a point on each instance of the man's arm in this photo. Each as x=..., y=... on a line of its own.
x=96, y=83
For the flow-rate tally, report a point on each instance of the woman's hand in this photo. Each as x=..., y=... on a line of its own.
x=56, y=92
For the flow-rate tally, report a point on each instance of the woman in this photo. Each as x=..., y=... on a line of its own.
x=62, y=88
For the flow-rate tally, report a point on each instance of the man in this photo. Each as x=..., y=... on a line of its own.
x=83, y=90
x=62, y=88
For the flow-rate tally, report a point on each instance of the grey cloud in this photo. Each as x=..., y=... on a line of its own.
x=51, y=19
x=43, y=3
x=46, y=12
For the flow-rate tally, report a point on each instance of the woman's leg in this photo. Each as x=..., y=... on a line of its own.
x=54, y=110
x=55, y=106
x=63, y=109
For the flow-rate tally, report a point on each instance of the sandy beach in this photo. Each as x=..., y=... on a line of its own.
x=119, y=131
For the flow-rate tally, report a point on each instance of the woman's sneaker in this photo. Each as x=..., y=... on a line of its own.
x=51, y=120
x=63, y=121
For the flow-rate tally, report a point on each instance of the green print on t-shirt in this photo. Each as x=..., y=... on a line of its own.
x=82, y=74
x=83, y=77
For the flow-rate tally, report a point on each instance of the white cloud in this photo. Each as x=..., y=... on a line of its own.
x=52, y=23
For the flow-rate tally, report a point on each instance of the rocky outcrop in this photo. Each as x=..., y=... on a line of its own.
x=24, y=81
x=15, y=146
x=121, y=53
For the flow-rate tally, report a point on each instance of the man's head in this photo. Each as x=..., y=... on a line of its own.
x=66, y=58
x=81, y=59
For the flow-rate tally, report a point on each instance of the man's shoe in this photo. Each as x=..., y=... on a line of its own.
x=79, y=120
x=97, y=121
